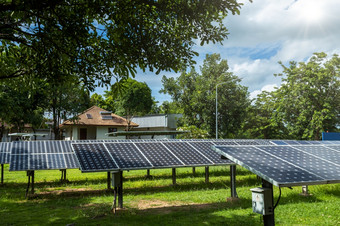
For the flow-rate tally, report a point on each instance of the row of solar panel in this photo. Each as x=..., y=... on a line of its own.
x=289, y=165
x=145, y=155
x=41, y=150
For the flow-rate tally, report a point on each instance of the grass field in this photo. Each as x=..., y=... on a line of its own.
x=85, y=201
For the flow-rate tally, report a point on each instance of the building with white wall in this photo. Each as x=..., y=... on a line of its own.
x=94, y=124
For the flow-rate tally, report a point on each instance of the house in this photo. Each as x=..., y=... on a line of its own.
x=160, y=122
x=94, y=124
x=10, y=133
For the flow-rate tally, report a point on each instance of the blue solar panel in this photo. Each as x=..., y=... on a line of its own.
x=94, y=157
x=287, y=165
x=42, y=155
x=158, y=155
x=205, y=148
x=5, y=151
x=20, y=148
x=18, y=162
x=187, y=154
x=127, y=156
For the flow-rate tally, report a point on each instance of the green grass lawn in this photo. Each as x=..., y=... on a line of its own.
x=85, y=201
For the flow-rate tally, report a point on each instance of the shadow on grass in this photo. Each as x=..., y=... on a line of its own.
x=198, y=173
x=80, y=211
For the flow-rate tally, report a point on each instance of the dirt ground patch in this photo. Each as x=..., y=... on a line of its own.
x=151, y=204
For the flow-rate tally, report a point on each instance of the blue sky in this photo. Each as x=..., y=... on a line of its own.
x=264, y=33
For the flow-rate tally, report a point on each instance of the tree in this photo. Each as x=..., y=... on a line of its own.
x=195, y=94
x=262, y=121
x=195, y=133
x=170, y=108
x=100, y=40
x=66, y=98
x=22, y=102
x=134, y=100
x=308, y=101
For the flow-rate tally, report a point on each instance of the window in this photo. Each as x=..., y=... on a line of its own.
x=106, y=115
x=111, y=130
x=89, y=116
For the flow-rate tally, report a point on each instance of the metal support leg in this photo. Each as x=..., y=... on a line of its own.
x=174, y=176
x=2, y=173
x=113, y=208
x=305, y=191
x=268, y=220
x=193, y=170
x=148, y=173
x=233, y=181
x=207, y=174
x=108, y=180
x=28, y=173
x=120, y=190
x=32, y=178
x=65, y=176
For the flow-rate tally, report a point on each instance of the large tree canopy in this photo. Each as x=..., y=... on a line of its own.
x=196, y=94
x=98, y=40
x=306, y=104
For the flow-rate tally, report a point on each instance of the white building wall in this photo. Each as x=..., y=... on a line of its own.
x=75, y=133
x=102, y=130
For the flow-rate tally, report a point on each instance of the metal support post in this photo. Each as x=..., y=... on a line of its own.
x=207, y=174
x=147, y=173
x=2, y=173
x=233, y=181
x=305, y=191
x=28, y=173
x=63, y=175
x=120, y=190
x=268, y=220
x=193, y=170
x=174, y=176
x=32, y=178
x=108, y=180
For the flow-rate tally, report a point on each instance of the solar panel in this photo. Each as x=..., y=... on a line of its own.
x=93, y=157
x=286, y=165
x=224, y=143
x=327, y=153
x=20, y=148
x=158, y=155
x=205, y=148
x=37, y=162
x=5, y=151
x=187, y=154
x=311, y=163
x=279, y=142
x=42, y=155
x=18, y=162
x=127, y=156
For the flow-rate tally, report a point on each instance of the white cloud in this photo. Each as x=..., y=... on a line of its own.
x=268, y=88
x=266, y=32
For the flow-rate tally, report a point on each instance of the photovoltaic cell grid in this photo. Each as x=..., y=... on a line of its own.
x=5, y=152
x=289, y=165
x=93, y=156
x=147, y=155
x=42, y=155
